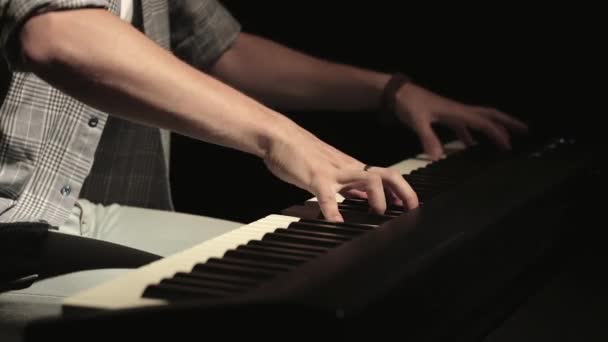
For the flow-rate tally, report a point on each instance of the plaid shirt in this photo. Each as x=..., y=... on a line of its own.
x=51, y=143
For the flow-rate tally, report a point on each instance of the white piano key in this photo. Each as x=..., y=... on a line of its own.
x=407, y=166
x=126, y=291
x=454, y=146
x=449, y=148
x=424, y=156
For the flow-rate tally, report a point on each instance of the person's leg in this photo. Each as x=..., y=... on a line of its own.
x=154, y=231
x=159, y=232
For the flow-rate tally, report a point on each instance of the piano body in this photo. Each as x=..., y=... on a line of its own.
x=491, y=229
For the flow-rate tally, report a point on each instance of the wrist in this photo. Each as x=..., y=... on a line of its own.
x=277, y=132
x=388, y=98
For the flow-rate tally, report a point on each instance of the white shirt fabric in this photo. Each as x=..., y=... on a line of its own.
x=126, y=10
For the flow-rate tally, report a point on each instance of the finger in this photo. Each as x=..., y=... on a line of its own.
x=371, y=184
x=393, y=197
x=494, y=131
x=375, y=193
x=430, y=141
x=353, y=193
x=505, y=119
x=389, y=195
x=400, y=188
x=329, y=205
x=464, y=135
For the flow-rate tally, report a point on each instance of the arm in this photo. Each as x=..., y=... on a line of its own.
x=289, y=79
x=123, y=73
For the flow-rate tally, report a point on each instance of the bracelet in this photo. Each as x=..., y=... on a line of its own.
x=393, y=85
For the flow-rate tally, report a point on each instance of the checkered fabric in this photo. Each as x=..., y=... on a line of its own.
x=51, y=144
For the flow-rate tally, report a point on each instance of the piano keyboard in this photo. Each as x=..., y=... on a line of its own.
x=491, y=229
x=129, y=291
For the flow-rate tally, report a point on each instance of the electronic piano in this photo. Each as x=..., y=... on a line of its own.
x=127, y=291
x=489, y=226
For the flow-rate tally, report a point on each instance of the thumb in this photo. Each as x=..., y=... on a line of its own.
x=430, y=142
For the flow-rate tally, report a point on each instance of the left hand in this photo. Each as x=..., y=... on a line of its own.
x=420, y=108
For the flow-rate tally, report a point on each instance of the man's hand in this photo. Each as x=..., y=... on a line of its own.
x=420, y=108
x=302, y=159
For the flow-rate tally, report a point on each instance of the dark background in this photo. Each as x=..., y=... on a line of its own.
x=540, y=65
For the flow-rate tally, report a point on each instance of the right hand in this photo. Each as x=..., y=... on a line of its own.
x=305, y=161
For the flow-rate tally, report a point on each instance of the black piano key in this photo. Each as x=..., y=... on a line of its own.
x=446, y=172
x=173, y=292
x=360, y=226
x=426, y=192
x=253, y=264
x=365, y=204
x=428, y=182
x=297, y=247
x=322, y=235
x=204, y=284
x=428, y=179
x=298, y=239
x=453, y=175
x=266, y=256
x=343, y=206
x=416, y=183
x=235, y=280
x=278, y=250
x=311, y=210
x=388, y=212
x=367, y=218
x=360, y=217
x=425, y=196
x=326, y=228
x=234, y=270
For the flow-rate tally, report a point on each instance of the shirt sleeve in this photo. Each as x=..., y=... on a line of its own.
x=14, y=13
x=201, y=30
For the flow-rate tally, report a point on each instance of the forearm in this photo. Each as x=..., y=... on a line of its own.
x=102, y=61
x=288, y=79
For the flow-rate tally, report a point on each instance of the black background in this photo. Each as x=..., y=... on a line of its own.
x=538, y=64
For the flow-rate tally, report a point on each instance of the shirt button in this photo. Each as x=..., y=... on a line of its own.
x=93, y=122
x=66, y=190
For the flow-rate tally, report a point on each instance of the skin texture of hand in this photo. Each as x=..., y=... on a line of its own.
x=307, y=162
x=420, y=108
